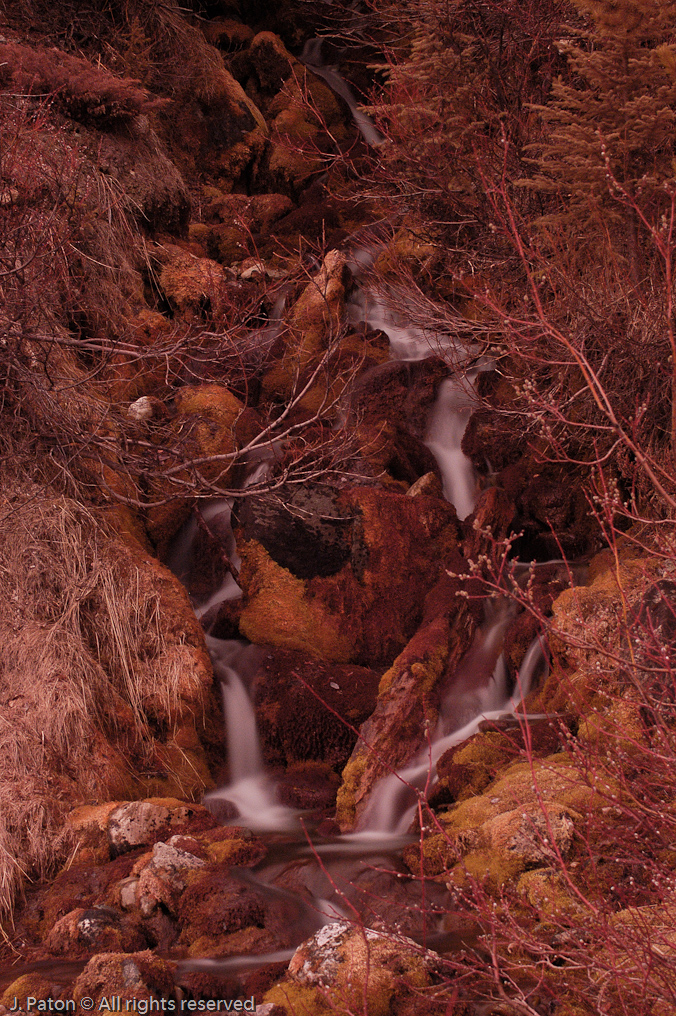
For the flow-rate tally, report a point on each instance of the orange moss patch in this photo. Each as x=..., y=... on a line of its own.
x=279, y=612
x=366, y=612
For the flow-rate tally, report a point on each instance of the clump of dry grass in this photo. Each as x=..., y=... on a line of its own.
x=85, y=92
x=90, y=679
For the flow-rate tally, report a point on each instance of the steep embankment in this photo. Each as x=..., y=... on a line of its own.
x=176, y=308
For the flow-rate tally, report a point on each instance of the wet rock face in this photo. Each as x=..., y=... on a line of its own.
x=401, y=392
x=366, y=612
x=300, y=702
x=304, y=529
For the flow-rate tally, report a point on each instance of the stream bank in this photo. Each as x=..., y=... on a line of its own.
x=361, y=631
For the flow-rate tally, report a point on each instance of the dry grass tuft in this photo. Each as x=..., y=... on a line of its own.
x=89, y=680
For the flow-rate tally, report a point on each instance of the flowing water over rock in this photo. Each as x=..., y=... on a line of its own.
x=312, y=57
x=360, y=873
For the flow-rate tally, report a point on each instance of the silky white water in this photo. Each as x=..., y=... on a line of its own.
x=312, y=57
x=395, y=800
x=479, y=690
x=250, y=791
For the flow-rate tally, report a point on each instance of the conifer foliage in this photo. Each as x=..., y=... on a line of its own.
x=545, y=174
x=612, y=122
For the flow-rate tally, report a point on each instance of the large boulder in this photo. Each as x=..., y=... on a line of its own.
x=368, y=610
x=220, y=132
x=303, y=528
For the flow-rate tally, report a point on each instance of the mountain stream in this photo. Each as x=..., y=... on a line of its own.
x=358, y=875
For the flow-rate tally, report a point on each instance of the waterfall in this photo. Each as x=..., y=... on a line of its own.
x=394, y=801
x=446, y=425
x=250, y=791
x=312, y=57
x=477, y=691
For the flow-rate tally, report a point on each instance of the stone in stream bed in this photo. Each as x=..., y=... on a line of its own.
x=353, y=967
x=96, y=929
x=225, y=912
x=140, y=975
x=137, y=823
x=163, y=881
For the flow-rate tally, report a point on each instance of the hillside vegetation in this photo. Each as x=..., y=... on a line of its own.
x=177, y=198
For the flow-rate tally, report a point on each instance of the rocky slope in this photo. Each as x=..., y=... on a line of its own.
x=162, y=220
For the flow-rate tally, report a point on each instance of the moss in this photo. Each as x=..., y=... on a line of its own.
x=186, y=765
x=235, y=853
x=299, y=1000
x=26, y=986
x=505, y=830
x=245, y=942
x=436, y=855
x=467, y=770
x=620, y=728
x=550, y=896
x=346, y=801
x=492, y=871
x=279, y=612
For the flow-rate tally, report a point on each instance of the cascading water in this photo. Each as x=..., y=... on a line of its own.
x=394, y=802
x=478, y=690
x=312, y=57
x=250, y=790
x=445, y=428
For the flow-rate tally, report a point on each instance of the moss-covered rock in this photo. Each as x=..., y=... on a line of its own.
x=349, y=967
x=27, y=986
x=95, y=929
x=141, y=975
x=525, y=818
x=314, y=325
x=369, y=609
x=307, y=710
x=406, y=708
